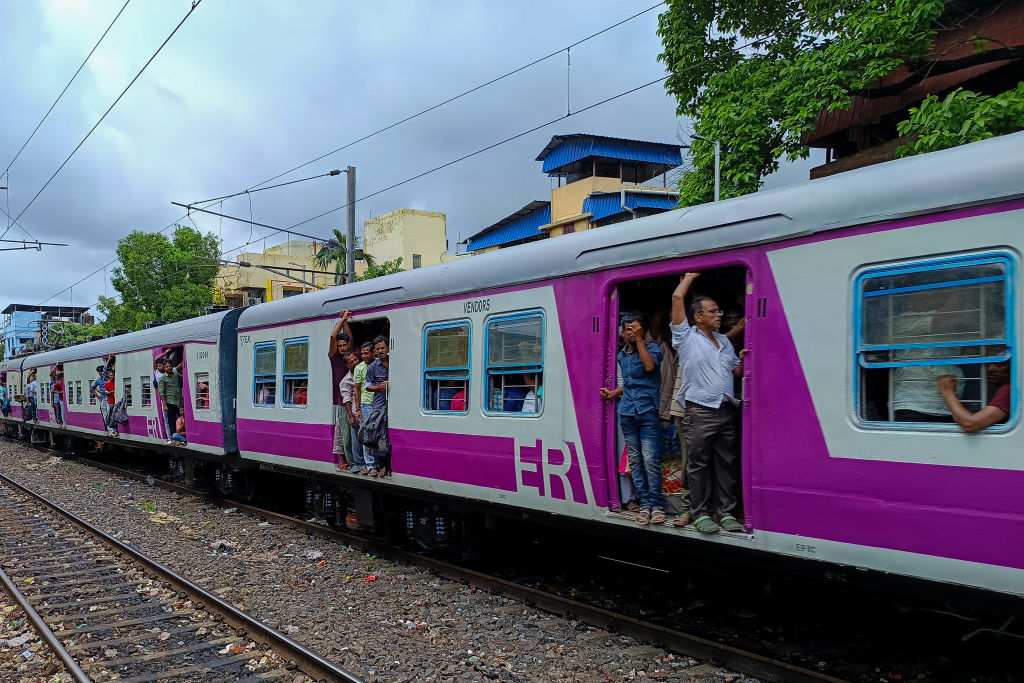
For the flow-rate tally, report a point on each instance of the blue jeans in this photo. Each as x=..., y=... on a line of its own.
x=369, y=454
x=642, y=434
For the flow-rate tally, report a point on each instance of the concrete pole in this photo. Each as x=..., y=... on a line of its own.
x=350, y=257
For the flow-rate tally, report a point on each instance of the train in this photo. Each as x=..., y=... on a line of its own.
x=828, y=272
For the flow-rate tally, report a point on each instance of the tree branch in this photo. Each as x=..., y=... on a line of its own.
x=936, y=68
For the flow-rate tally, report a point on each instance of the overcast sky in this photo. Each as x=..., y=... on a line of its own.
x=247, y=89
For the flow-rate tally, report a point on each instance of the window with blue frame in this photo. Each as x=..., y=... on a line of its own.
x=264, y=378
x=515, y=363
x=918, y=321
x=296, y=373
x=446, y=367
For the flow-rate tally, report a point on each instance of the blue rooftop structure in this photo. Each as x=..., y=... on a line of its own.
x=578, y=154
x=521, y=226
x=605, y=204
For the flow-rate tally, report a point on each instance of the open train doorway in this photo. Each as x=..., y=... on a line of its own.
x=644, y=306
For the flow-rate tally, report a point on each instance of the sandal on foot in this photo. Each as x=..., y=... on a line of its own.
x=729, y=523
x=658, y=517
x=681, y=520
x=643, y=518
x=706, y=525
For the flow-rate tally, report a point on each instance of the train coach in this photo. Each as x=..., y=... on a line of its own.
x=852, y=285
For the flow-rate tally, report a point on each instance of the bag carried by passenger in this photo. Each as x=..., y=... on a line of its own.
x=119, y=413
x=373, y=431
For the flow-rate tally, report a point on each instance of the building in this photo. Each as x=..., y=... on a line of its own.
x=977, y=48
x=601, y=180
x=279, y=272
x=417, y=237
x=27, y=327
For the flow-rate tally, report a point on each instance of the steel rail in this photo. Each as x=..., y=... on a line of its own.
x=305, y=659
x=44, y=631
x=750, y=663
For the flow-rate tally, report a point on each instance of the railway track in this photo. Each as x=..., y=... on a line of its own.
x=749, y=663
x=110, y=613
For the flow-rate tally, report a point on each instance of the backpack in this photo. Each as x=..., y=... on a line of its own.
x=374, y=430
x=119, y=413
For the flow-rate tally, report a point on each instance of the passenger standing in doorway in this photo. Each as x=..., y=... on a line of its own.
x=638, y=416
x=339, y=346
x=57, y=395
x=108, y=390
x=99, y=392
x=365, y=399
x=31, y=398
x=377, y=384
x=709, y=364
x=350, y=459
x=169, y=390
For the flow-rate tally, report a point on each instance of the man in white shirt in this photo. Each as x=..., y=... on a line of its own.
x=708, y=364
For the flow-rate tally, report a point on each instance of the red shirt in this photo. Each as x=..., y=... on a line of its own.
x=299, y=397
x=1001, y=399
x=58, y=389
x=108, y=386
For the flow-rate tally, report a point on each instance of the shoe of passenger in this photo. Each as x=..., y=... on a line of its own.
x=632, y=505
x=374, y=472
x=170, y=442
x=706, y=525
x=364, y=470
x=643, y=518
x=681, y=520
x=354, y=469
x=729, y=523
x=658, y=517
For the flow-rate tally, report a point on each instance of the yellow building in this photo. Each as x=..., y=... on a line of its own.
x=606, y=180
x=279, y=272
x=419, y=238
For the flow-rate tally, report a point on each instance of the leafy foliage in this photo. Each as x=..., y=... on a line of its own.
x=755, y=75
x=160, y=278
x=336, y=251
x=381, y=269
x=961, y=117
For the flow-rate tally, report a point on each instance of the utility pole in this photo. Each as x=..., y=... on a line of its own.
x=350, y=247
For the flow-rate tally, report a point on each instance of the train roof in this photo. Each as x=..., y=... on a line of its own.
x=979, y=173
x=204, y=328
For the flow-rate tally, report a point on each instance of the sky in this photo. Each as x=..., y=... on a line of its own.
x=248, y=89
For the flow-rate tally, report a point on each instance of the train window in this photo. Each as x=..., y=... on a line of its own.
x=264, y=381
x=296, y=373
x=446, y=367
x=919, y=321
x=127, y=392
x=515, y=363
x=78, y=391
x=202, y=384
x=146, y=389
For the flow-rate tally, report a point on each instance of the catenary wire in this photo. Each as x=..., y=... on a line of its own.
x=73, y=77
x=195, y=4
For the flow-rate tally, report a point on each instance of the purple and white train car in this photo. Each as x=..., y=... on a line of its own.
x=860, y=289
x=202, y=368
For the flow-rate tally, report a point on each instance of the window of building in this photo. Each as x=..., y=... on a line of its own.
x=127, y=389
x=446, y=367
x=515, y=363
x=918, y=321
x=296, y=372
x=202, y=384
x=78, y=391
x=264, y=383
x=290, y=291
x=417, y=260
x=146, y=388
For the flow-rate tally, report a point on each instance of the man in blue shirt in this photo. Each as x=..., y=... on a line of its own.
x=99, y=392
x=377, y=384
x=638, y=416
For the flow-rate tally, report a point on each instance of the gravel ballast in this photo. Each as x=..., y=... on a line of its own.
x=380, y=619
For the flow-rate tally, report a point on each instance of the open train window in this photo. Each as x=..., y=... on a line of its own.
x=446, y=367
x=515, y=363
x=918, y=321
x=127, y=383
x=78, y=391
x=202, y=400
x=264, y=378
x=296, y=373
x=146, y=389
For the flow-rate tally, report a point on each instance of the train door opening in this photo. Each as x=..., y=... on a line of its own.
x=648, y=302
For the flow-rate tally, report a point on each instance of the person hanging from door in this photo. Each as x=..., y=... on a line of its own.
x=709, y=364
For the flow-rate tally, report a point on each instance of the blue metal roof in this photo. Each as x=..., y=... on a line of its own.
x=566, y=149
x=606, y=204
x=519, y=226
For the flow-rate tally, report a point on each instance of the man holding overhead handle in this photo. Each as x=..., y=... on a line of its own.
x=708, y=364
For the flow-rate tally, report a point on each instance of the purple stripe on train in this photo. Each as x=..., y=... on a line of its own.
x=290, y=439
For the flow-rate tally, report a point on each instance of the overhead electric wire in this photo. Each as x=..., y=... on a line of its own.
x=73, y=77
x=195, y=4
x=460, y=95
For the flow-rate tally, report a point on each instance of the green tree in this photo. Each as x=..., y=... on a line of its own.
x=755, y=75
x=161, y=278
x=335, y=251
x=381, y=269
x=961, y=117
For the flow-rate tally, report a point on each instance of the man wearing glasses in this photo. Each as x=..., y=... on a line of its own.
x=708, y=364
